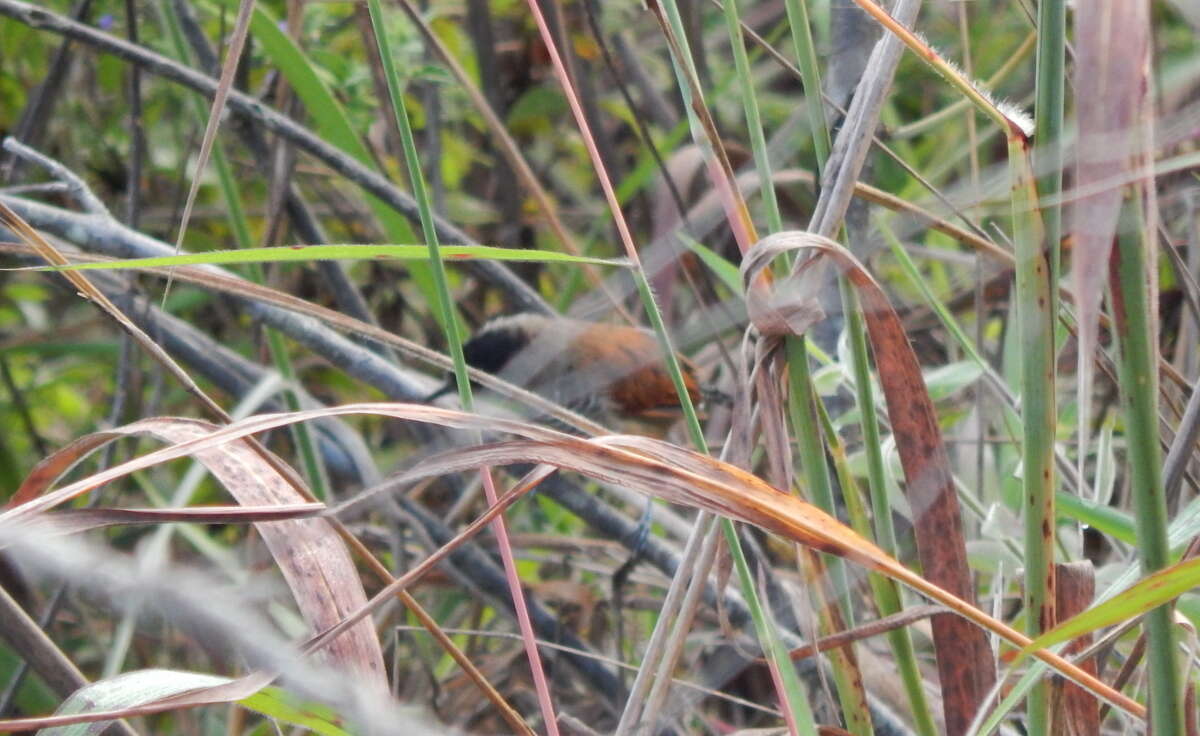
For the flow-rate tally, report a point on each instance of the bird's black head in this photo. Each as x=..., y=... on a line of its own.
x=496, y=344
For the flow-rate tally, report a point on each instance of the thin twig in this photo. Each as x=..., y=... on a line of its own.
x=137, y=136
x=79, y=190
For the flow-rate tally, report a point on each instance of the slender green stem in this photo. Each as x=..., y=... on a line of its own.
x=690, y=417
x=452, y=328
x=885, y=590
x=885, y=534
x=1048, y=160
x=445, y=306
x=885, y=530
x=806, y=58
x=313, y=467
x=802, y=406
x=1050, y=98
x=685, y=72
x=801, y=717
x=802, y=409
x=1138, y=374
x=758, y=142
x=1034, y=294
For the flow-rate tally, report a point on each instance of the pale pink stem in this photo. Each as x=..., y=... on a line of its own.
x=609, y=194
x=514, y=583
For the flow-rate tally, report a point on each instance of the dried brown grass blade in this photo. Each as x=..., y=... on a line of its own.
x=310, y=555
x=665, y=471
x=73, y=521
x=652, y=467
x=907, y=617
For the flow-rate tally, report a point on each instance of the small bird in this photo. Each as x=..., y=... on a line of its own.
x=598, y=370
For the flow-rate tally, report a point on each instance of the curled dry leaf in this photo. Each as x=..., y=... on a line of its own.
x=791, y=307
x=311, y=556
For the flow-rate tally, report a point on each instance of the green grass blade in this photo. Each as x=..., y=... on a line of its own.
x=758, y=142
x=885, y=535
x=885, y=590
x=718, y=264
x=1156, y=590
x=801, y=717
x=344, y=252
x=810, y=72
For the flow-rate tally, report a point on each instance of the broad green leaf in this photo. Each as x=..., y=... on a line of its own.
x=1105, y=518
x=533, y=111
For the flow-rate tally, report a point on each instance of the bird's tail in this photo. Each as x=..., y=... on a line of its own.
x=713, y=396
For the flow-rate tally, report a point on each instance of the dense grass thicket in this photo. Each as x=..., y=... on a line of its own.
x=852, y=379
